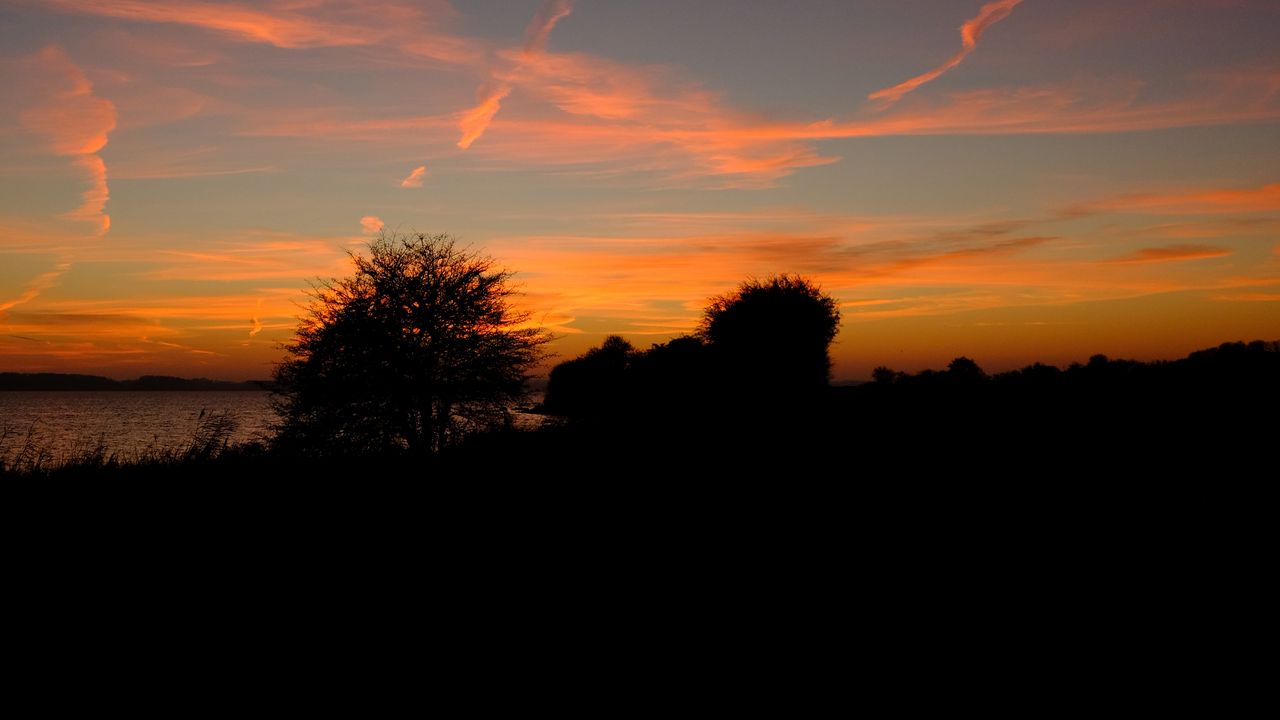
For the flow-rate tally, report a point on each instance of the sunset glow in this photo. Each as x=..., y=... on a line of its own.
x=1014, y=181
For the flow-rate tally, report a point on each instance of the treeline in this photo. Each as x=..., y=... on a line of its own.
x=1120, y=403
x=1230, y=365
x=616, y=379
x=1214, y=407
x=152, y=383
x=758, y=348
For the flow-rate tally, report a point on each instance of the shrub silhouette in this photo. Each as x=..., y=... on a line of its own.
x=775, y=332
x=418, y=347
x=593, y=383
x=763, y=345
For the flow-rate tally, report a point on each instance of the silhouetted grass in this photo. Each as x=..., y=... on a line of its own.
x=22, y=454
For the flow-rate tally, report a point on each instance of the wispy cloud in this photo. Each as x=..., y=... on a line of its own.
x=1194, y=202
x=653, y=122
x=1208, y=228
x=255, y=323
x=417, y=29
x=490, y=95
x=970, y=33
x=92, y=209
x=414, y=180
x=280, y=24
x=34, y=288
x=1171, y=253
x=539, y=29
x=1249, y=297
x=255, y=257
x=475, y=121
x=640, y=119
x=371, y=224
x=76, y=124
x=66, y=111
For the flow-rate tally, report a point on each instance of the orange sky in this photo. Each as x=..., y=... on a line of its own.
x=1014, y=181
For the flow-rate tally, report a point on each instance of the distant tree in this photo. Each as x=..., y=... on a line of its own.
x=963, y=369
x=418, y=347
x=885, y=375
x=616, y=379
x=591, y=384
x=763, y=345
x=776, y=331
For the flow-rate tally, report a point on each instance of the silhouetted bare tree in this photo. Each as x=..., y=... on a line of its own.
x=418, y=347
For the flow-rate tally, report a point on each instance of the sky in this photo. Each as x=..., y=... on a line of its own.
x=1013, y=181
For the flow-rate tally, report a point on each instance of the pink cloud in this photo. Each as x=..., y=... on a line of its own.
x=415, y=29
x=92, y=209
x=490, y=95
x=1172, y=253
x=539, y=29
x=34, y=288
x=639, y=118
x=275, y=24
x=76, y=124
x=414, y=180
x=66, y=112
x=1196, y=202
x=970, y=32
x=475, y=121
x=646, y=119
x=649, y=120
x=371, y=224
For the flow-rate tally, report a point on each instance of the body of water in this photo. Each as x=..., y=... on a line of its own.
x=67, y=424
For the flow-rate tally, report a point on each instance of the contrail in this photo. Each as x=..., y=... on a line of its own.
x=475, y=121
x=535, y=35
x=33, y=288
x=970, y=33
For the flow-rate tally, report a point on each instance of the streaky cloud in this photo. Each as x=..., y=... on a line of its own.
x=35, y=287
x=1171, y=253
x=539, y=29
x=285, y=29
x=970, y=33
x=475, y=121
x=1194, y=202
x=490, y=95
x=76, y=124
x=414, y=180
x=255, y=322
x=93, y=207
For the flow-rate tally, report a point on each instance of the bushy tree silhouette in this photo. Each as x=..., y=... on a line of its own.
x=418, y=347
x=762, y=348
x=775, y=331
x=592, y=384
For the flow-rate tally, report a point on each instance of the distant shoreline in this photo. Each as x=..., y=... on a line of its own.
x=59, y=382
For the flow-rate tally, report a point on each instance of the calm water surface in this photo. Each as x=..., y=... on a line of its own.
x=69, y=423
